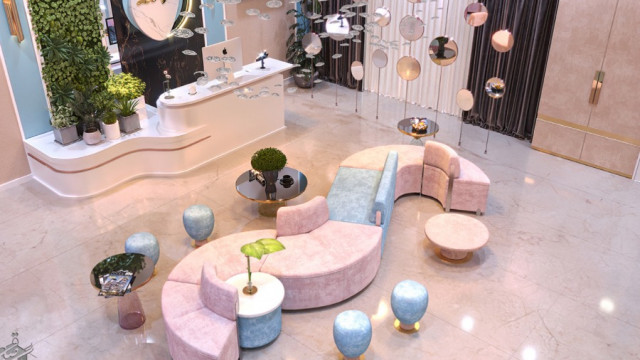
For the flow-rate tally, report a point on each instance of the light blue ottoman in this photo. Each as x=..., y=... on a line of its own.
x=198, y=221
x=409, y=301
x=352, y=333
x=143, y=243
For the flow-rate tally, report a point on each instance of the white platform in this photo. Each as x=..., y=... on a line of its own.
x=186, y=132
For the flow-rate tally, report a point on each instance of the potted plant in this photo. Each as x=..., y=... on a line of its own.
x=111, y=128
x=295, y=51
x=64, y=125
x=256, y=250
x=126, y=88
x=91, y=106
x=269, y=161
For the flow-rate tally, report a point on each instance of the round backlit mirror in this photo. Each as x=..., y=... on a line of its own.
x=337, y=26
x=464, y=99
x=312, y=44
x=476, y=14
x=502, y=40
x=382, y=17
x=379, y=58
x=357, y=70
x=411, y=28
x=495, y=87
x=408, y=68
x=443, y=51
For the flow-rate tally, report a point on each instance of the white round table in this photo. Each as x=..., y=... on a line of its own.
x=456, y=235
x=260, y=314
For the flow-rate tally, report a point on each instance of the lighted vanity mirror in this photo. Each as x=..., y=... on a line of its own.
x=408, y=68
x=464, y=99
x=155, y=19
x=502, y=40
x=382, y=17
x=476, y=14
x=357, y=70
x=337, y=26
x=443, y=51
x=379, y=58
x=411, y=28
x=311, y=43
x=495, y=87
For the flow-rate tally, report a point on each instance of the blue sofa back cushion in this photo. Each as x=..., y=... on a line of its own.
x=352, y=195
x=385, y=195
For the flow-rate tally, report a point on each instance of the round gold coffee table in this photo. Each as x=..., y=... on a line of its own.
x=405, y=126
x=290, y=184
x=456, y=235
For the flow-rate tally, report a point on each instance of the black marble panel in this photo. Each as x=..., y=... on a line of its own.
x=147, y=58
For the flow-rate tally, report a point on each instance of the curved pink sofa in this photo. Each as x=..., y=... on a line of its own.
x=325, y=261
x=435, y=170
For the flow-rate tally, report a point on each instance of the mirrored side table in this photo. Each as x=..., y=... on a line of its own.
x=406, y=126
x=141, y=267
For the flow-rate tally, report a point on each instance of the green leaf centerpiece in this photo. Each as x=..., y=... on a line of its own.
x=256, y=250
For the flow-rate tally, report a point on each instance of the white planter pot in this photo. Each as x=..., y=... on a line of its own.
x=92, y=138
x=112, y=131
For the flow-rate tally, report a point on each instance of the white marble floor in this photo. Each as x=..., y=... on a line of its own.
x=558, y=279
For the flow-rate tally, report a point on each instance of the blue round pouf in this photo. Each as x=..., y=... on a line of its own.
x=143, y=243
x=352, y=333
x=198, y=220
x=409, y=301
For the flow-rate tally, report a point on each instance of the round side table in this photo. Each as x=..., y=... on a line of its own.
x=456, y=235
x=260, y=314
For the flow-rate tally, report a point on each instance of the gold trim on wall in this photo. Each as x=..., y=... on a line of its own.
x=582, y=162
x=13, y=19
x=590, y=130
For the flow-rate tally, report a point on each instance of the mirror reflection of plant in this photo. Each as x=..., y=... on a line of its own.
x=295, y=51
x=131, y=261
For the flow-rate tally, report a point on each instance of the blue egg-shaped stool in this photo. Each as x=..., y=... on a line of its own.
x=198, y=221
x=352, y=333
x=409, y=301
x=143, y=243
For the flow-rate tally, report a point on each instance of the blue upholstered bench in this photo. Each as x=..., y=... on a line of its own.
x=364, y=196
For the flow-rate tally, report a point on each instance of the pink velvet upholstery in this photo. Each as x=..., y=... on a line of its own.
x=216, y=295
x=409, y=173
x=443, y=157
x=303, y=218
x=225, y=252
x=327, y=265
x=470, y=189
x=193, y=331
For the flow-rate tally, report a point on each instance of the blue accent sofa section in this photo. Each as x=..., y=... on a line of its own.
x=359, y=195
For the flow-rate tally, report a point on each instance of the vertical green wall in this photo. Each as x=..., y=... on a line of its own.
x=24, y=76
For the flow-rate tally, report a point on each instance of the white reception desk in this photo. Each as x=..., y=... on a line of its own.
x=187, y=131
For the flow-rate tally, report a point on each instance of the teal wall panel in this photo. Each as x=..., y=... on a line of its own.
x=212, y=18
x=24, y=76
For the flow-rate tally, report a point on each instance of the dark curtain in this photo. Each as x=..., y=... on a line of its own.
x=147, y=58
x=351, y=53
x=522, y=68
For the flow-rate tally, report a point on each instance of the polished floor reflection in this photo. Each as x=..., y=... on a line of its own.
x=557, y=280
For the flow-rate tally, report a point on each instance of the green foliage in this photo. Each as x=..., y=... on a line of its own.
x=268, y=159
x=91, y=106
x=261, y=247
x=125, y=87
x=110, y=118
x=295, y=51
x=69, y=35
x=62, y=116
x=127, y=108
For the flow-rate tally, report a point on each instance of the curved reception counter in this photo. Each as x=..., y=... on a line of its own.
x=186, y=132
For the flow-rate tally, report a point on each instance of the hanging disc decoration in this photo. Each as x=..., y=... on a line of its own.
x=408, y=68
x=357, y=70
x=337, y=26
x=443, y=51
x=495, y=87
x=311, y=43
x=476, y=14
x=411, y=28
x=464, y=99
x=502, y=40
x=382, y=17
x=379, y=58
